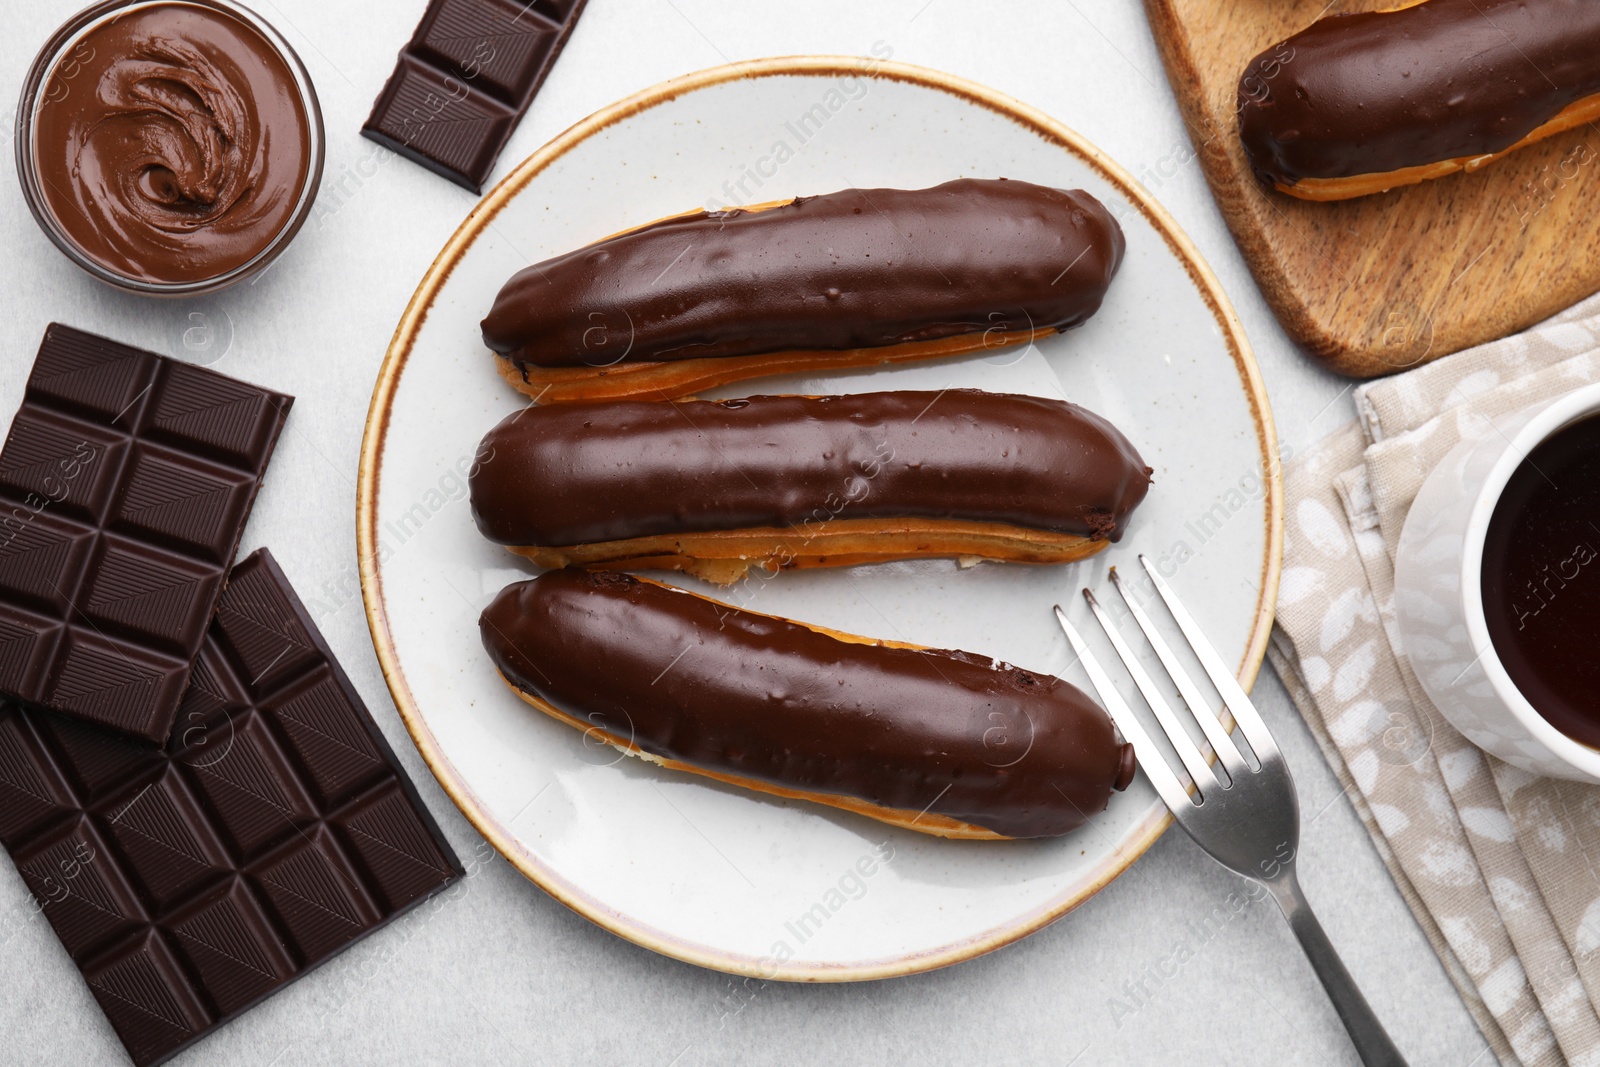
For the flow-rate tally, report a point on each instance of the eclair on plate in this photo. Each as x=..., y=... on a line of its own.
x=716, y=487
x=1358, y=104
x=849, y=279
x=947, y=743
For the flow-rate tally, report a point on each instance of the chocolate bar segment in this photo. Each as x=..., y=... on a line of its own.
x=125, y=482
x=466, y=78
x=275, y=828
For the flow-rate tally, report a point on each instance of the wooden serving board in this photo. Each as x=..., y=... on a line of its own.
x=1385, y=282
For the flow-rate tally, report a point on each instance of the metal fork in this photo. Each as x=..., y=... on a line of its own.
x=1250, y=822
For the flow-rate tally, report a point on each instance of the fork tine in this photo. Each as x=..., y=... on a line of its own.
x=1233, y=695
x=1173, y=794
x=1188, y=752
x=1199, y=706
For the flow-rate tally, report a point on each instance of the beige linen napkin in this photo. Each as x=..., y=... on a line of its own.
x=1501, y=868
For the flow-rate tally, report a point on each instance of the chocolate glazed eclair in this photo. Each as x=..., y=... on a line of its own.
x=1358, y=104
x=947, y=743
x=849, y=279
x=716, y=487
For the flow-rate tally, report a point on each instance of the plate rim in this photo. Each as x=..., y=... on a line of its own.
x=1155, y=820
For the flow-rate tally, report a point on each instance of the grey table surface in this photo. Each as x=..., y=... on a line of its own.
x=503, y=973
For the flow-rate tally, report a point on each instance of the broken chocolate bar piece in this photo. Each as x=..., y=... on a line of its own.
x=466, y=78
x=125, y=483
x=274, y=830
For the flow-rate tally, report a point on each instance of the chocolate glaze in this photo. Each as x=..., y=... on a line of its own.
x=1022, y=754
x=1372, y=93
x=572, y=474
x=1541, y=579
x=172, y=144
x=861, y=268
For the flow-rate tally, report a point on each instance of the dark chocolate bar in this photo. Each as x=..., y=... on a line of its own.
x=274, y=830
x=125, y=482
x=466, y=78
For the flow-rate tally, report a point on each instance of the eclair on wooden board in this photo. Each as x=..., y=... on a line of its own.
x=847, y=279
x=946, y=743
x=1359, y=104
x=716, y=487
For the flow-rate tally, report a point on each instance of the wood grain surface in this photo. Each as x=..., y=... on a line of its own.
x=1390, y=281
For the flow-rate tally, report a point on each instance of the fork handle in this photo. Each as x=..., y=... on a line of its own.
x=1367, y=1034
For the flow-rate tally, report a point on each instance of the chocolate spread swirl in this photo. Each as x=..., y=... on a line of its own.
x=1445, y=79
x=572, y=474
x=172, y=143
x=1018, y=753
x=862, y=268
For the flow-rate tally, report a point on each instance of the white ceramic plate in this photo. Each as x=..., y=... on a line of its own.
x=716, y=875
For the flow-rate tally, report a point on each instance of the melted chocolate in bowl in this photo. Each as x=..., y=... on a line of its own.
x=172, y=143
x=1541, y=579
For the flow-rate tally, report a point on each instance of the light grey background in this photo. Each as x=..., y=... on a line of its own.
x=500, y=973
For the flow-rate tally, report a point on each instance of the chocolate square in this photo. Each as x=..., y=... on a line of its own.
x=466, y=78
x=125, y=482
x=275, y=829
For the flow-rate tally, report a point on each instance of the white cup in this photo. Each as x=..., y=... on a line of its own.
x=1439, y=597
